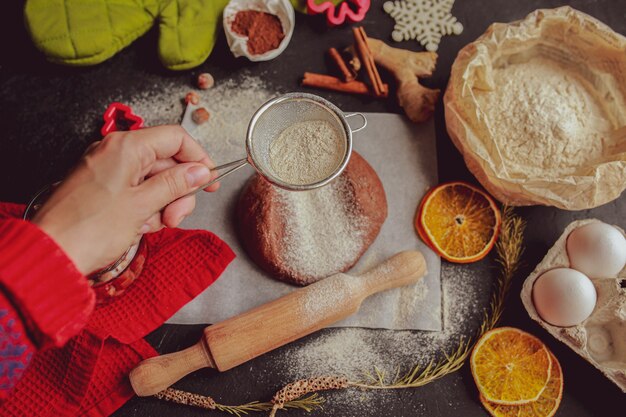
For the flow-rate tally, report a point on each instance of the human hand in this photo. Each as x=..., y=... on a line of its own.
x=128, y=184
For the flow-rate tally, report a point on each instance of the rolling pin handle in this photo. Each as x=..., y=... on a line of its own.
x=153, y=375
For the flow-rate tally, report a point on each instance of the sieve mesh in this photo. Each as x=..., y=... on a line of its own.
x=279, y=114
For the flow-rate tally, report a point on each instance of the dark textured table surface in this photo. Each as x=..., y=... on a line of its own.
x=40, y=104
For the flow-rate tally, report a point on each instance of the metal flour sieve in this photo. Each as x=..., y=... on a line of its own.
x=272, y=118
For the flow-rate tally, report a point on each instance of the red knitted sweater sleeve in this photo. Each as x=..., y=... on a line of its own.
x=44, y=299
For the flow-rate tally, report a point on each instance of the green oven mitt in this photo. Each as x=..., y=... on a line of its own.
x=87, y=32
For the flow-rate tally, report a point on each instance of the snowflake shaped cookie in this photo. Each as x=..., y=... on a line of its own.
x=423, y=20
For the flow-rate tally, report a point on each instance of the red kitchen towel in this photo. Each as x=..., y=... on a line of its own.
x=89, y=376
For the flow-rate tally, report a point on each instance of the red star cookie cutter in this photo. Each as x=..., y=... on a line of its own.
x=118, y=117
x=336, y=16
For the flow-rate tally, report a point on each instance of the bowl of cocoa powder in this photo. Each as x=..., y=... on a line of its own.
x=258, y=29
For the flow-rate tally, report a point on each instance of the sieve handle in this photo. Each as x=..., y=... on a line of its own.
x=347, y=116
x=234, y=166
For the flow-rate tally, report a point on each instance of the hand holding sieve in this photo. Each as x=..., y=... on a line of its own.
x=276, y=115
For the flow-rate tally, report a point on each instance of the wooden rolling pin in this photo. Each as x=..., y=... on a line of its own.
x=269, y=326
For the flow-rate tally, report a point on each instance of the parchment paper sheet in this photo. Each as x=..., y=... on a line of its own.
x=403, y=155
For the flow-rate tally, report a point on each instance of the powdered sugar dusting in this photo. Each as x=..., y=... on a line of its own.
x=324, y=230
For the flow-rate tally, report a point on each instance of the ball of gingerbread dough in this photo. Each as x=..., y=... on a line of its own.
x=303, y=236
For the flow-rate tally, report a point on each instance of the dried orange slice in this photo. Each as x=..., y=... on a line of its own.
x=459, y=222
x=545, y=406
x=510, y=367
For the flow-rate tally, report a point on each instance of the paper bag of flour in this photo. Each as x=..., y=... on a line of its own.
x=536, y=107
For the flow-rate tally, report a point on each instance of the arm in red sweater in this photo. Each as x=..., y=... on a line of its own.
x=44, y=299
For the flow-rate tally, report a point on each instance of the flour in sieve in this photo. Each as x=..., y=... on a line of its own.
x=323, y=230
x=545, y=117
x=307, y=152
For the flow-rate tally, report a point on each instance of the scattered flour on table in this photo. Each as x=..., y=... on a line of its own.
x=545, y=117
x=323, y=229
x=307, y=152
x=352, y=351
x=231, y=104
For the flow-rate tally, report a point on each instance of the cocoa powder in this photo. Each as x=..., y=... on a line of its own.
x=264, y=30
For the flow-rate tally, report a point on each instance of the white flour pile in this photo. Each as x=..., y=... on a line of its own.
x=323, y=231
x=307, y=152
x=545, y=118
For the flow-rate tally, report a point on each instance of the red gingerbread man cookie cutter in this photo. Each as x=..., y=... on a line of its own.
x=119, y=116
x=337, y=15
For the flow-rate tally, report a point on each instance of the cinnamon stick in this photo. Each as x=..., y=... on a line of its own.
x=329, y=82
x=346, y=74
x=367, y=60
x=377, y=79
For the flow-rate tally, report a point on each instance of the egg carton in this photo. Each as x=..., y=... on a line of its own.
x=601, y=338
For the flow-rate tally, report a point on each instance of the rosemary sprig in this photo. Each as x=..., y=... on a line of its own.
x=418, y=376
x=239, y=410
x=509, y=249
x=308, y=404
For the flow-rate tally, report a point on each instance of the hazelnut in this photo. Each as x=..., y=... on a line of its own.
x=200, y=116
x=192, y=97
x=205, y=81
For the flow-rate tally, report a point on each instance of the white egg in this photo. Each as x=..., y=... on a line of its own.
x=598, y=250
x=564, y=297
